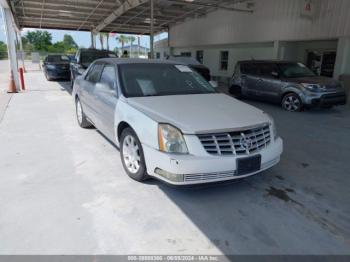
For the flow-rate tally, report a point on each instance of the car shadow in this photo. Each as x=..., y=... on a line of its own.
x=65, y=86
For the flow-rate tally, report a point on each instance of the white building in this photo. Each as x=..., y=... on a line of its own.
x=316, y=33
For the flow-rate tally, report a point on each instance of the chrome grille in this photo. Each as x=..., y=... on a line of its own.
x=208, y=177
x=242, y=142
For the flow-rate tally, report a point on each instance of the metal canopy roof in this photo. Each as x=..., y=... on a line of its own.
x=122, y=16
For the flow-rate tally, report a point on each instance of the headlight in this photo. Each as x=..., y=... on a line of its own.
x=273, y=127
x=171, y=140
x=312, y=87
x=51, y=67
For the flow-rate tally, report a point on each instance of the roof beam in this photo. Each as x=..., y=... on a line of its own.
x=92, y=12
x=210, y=5
x=126, y=6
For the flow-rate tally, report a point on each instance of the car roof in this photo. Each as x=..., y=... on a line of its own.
x=265, y=61
x=121, y=61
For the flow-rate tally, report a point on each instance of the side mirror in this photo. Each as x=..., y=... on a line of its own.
x=275, y=74
x=214, y=84
x=105, y=88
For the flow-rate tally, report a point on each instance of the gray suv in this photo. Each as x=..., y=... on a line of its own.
x=290, y=83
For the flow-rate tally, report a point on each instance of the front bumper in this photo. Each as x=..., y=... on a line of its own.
x=325, y=99
x=208, y=168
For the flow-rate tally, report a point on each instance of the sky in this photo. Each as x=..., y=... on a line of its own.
x=81, y=38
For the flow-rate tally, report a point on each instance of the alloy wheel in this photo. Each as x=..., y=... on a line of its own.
x=131, y=154
x=292, y=103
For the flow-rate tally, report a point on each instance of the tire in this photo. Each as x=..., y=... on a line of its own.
x=71, y=80
x=291, y=102
x=81, y=117
x=236, y=91
x=131, y=154
x=47, y=77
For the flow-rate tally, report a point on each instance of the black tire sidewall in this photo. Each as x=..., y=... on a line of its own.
x=71, y=80
x=84, y=123
x=296, y=96
x=141, y=175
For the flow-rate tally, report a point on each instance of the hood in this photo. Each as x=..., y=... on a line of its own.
x=202, y=113
x=326, y=82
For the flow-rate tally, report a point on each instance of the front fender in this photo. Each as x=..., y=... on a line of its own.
x=291, y=89
x=145, y=128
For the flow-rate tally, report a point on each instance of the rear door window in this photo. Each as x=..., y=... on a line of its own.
x=94, y=73
x=266, y=69
x=108, y=76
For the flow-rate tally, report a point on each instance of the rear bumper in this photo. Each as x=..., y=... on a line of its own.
x=58, y=74
x=190, y=169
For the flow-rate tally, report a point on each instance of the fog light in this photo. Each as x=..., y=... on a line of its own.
x=169, y=176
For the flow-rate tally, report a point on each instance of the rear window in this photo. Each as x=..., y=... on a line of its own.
x=94, y=73
x=57, y=58
x=90, y=56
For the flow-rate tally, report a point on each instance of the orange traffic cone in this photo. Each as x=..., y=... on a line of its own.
x=12, y=86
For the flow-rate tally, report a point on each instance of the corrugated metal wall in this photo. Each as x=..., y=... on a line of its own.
x=272, y=20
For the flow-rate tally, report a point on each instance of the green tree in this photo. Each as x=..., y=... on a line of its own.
x=107, y=40
x=58, y=47
x=3, y=50
x=102, y=36
x=69, y=42
x=40, y=40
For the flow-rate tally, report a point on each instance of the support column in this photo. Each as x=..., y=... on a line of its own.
x=11, y=47
x=93, y=39
x=342, y=63
x=151, y=37
x=21, y=50
x=138, y=46
x=276, y=49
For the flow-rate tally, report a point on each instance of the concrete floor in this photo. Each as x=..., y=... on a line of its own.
x=63, y=189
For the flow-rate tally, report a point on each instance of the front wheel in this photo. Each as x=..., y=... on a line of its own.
x=292, y=102
x=131, y=154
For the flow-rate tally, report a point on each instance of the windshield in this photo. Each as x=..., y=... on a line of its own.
x=57, y=58
x=295, y=70
x=90, y=56
x=139, y=80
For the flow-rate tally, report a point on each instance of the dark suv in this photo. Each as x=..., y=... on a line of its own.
x=83, y=58
x=290, y=83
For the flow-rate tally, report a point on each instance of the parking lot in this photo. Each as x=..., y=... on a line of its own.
x=64, y=191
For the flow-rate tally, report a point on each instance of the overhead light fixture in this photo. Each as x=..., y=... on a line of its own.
x=148, y=20
x=65, y=13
